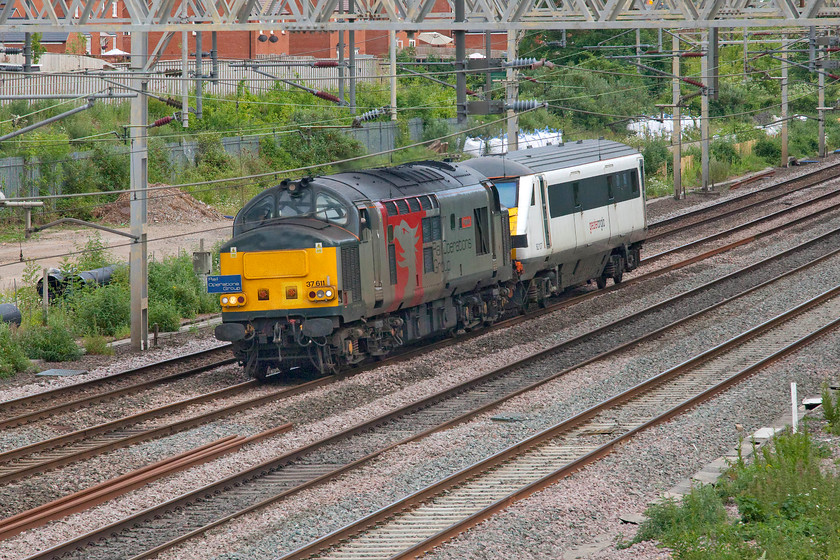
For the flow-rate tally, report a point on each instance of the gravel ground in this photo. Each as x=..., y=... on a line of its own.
x=574, y=392
x=575, y=512
x=416, y=465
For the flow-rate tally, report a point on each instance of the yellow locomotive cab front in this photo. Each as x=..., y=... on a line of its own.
x=293, y=279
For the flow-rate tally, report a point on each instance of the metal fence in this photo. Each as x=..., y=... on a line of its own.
x=226, y=83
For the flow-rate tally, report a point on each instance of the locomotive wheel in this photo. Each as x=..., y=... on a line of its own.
x=260, y=372
x=617, y=278
x=601, y=282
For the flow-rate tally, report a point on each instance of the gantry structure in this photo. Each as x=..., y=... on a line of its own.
x=479, y=15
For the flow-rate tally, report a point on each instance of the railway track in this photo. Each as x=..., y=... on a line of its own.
x=93, y=441
x=443, y=510
x=752, y=223
x=170, y=523
x=49, y=403
x=740, y=203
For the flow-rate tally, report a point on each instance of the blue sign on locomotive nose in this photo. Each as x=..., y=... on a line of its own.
x=223, y=284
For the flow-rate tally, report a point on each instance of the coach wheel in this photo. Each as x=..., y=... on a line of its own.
x=601, y=282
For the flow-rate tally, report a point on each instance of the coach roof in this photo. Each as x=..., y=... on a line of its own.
x=549, y=158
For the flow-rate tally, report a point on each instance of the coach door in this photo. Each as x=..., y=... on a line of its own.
x=370, y=246
x=542, y=187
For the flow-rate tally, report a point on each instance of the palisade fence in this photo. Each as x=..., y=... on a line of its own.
x=167, y=79
x=21, y=177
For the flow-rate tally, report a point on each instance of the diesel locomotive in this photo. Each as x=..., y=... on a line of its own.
x=333, y=270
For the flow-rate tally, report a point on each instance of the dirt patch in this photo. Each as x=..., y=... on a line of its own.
x=164, y=206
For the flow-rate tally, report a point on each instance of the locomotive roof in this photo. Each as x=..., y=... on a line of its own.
x=549, y=158
x=403, y=180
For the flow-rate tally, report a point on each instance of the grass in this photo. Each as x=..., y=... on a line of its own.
x=786, y=509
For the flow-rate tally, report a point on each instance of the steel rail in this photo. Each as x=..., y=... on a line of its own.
x=289, y=458
x=755, y=222
x=52, y=395
x=457, y=482
x=735, y=199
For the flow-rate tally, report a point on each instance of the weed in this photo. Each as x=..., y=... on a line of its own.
x=12, y=355
x=831, y=409
x=786, y=506
x=97, y=344
x=52, y=342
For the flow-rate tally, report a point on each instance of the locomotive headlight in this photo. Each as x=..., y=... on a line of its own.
x=320, y=294
x=328, y=294
x=224, y=300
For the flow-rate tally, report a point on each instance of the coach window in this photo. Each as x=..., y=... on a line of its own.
x=452, y=221
x=611, y=184
x=576, y=190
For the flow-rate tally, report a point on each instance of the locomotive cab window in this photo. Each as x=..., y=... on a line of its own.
x=261, y=211
x=507, y=193
x=331, y=209
x=290, y=205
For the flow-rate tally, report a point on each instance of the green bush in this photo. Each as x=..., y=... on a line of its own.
x=97, y=344
x=165, y=314
x=725, y=151
x=102, y=310
x=769, y=150
x=52, y=342
x=787, y=507
x=12, y=355
x=656, y=155
x=173, y=281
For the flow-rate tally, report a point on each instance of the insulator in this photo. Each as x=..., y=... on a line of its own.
x=471, y=92
x=524, y=105
x=325, y=64
x=691, y=55
x=369, y=116
x=327, y=96
x=173, y=102
x=162, y=121
x=693, y=82
x=521, y=62
x=531, y=79
x=12, y=50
